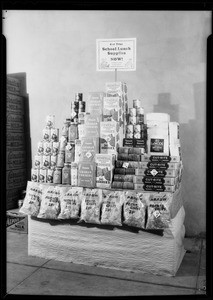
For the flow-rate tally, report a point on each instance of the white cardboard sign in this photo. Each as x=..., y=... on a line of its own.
x=117, y=54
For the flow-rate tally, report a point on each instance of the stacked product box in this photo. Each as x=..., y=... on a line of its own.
x=115, y=107
x=136, y=130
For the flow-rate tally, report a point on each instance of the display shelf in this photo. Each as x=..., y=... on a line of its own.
x=115, y=248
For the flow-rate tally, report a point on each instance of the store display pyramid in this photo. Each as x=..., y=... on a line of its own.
x=114, y=176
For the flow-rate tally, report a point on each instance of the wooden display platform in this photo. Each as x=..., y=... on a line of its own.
x=109, y=247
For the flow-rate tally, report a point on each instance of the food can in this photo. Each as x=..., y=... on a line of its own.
x=137, y=131
x=46, y=134
x=74, y=106
x=129, y=131
x=43, y=175
x=50, y=173
x=57, y=176
x=136, y=103
x=34, y=174
x=60, y=159
x=50, y=121
x=78, y=97
x=139, y=111
x=140, y=119
x=117, y=185
x=73, y=132
x=132, y=112
x=82, y=107
x=132, y=120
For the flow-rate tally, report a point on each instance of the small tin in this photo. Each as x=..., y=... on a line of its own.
x=46, y=134
x=82, y=107
x=132, y=112
x=46, y=161
x=137, y=131
x=139, y=111
x=38, y=161
x=140, y=119
x=53, y=161
x=34, y=174
x=40, y=149
x=136, y=103
x=50, y=173
x=57, y=176
x=60, y=159
x=74, y=106
x=132, y=120
x=73, y=132
x=78, y=96
x=50, y=121
x=43, y=175
x=129, y=131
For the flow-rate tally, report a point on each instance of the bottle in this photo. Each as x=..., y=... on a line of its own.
x=66, y=174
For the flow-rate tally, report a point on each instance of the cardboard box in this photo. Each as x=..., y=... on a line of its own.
x=15, y=104
x=110, y=139
x=15, y=159
x=160, y=165
x=15, y=122
x=157, y=173
x=154, y=187
x=95, y=103
x=89, y=148
x=104, y=171
x=15, y=139
x=86, y=174
x=16, y=178
x=91, y=126
x=16, y=221
x=160, y=158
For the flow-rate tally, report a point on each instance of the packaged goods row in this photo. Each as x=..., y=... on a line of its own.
x=98, y=206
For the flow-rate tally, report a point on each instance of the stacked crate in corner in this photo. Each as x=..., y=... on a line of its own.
x=17, y=139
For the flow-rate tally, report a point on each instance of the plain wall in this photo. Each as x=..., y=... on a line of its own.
x=57, y=50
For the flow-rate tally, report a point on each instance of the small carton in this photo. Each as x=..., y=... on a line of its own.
x=46, y=134
x=40, y=148
x=113, y=109
x=54, y=134
x=160, y=165
x=104, y=171
x=89, y=148
x=70, y=152
x=53, y=161
x=86, y=174
x=77, y=150
x=46, y=161
x=92, y=125
x=154, y=187
x=47, y=148
x=55, y=148
x=110, y=140
x=34, y=175
x=38, y=161
x=95, y=103
x=128, y=142
x=158, y=180
x=157, y=172
x=74, y=174
x=160, y=158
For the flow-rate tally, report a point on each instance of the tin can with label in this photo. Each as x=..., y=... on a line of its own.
x=43, y=175
x=50, y=173
x=132, y=112
x=78, y=97
x=73, y=132
x=60, y=159
x=66, y=174
x=57, y=176
x=136, y=103
x=50, y=121
x=82, y=107
x=132, y=120
x=34, y=175
x=137, y=131
x=139, y=111
x=140, y=119
x=129, y=131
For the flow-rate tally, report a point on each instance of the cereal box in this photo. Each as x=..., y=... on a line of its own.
x=95, y=102
x=104, y=171
x=86, y=174
x=110, y=140
x=89, y=148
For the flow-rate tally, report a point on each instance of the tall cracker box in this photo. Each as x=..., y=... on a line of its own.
x=89, y=148
x=95, y=103
x=104, y=173
x=111, y=137
x=86, y=174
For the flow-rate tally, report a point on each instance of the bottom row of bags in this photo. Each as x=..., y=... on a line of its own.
x=98, y=206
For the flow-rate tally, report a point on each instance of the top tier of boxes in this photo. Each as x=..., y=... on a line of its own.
x=105, y=144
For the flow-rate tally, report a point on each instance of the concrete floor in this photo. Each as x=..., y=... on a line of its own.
x=36, y=276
